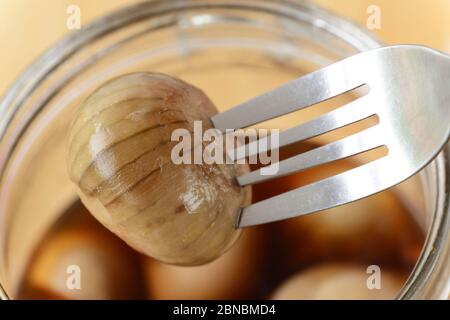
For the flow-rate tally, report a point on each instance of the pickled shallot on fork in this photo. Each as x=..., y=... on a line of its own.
x=119, y=156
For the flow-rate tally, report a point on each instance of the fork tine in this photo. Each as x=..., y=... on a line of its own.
x=297, y=94
x=324, y=194
x=346, y=147
x=352, y=112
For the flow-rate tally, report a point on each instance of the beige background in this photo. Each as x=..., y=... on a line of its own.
x=28, y=27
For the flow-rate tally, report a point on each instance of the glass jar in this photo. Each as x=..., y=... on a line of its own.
x=219, y=46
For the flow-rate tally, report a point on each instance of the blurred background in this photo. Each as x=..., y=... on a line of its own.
x=30, y=26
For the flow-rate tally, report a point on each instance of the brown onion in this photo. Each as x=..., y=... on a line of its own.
x=119, y=156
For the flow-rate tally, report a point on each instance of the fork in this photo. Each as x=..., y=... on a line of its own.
x=409, y=91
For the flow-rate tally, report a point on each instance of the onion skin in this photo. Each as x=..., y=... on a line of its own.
x=119, y=156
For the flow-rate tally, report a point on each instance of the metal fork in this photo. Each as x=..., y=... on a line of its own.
x=409, y=92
